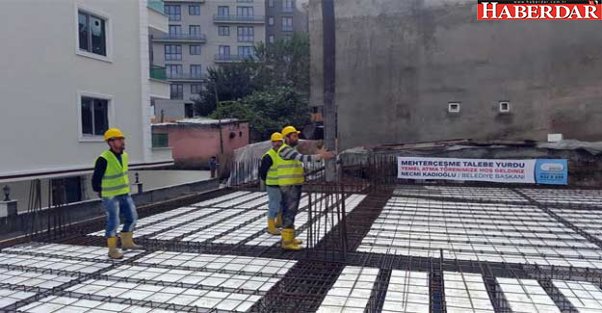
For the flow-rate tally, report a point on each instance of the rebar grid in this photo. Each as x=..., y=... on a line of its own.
x=333, y=237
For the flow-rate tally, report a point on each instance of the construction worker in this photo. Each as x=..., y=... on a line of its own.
x=291, y=177
x=110, y=180
x=268, y=172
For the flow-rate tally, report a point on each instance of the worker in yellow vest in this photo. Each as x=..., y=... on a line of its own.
x=268, y=172
x=110, y=180
x=291, y=177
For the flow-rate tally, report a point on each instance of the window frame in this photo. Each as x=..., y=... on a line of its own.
x=195, y=46
x=245, y=35
x=110, y=114
x=219, y=28
x=108, y=33
x=169, y=16
x=196, y=6
x=170, y=91
x=165, y=52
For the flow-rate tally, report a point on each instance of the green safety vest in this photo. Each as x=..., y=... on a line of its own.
x=115, y=182
x=272, y=178
x=290, y=172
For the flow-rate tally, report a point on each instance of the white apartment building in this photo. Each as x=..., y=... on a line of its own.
x=70, y=70
x=202, y=34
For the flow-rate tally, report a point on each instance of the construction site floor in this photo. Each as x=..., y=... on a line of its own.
x=405, y=248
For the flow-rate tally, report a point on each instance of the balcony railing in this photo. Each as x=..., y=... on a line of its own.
x=238, y=19
x=158, y=72
x=181, y=37
x=186, y=76
x=156, y=5
x=232, y=58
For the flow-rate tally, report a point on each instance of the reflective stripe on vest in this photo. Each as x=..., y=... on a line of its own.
x=290, y=172
x=115, y=181
x=272, y=178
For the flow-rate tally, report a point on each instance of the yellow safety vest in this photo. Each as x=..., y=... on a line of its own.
x=115, y=182
x=272, y=178
x=290, y=172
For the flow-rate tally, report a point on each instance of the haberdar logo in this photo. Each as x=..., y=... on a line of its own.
x=539, y=10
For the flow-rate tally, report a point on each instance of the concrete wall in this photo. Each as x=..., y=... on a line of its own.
x=399, y=63
x=44, y=75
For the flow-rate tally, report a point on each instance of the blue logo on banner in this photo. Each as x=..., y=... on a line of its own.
x=552, y=172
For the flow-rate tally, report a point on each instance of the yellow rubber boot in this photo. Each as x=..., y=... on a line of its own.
x=127, y=241
x=279, y=220
x=114, y=252
x=272, y=227
x=288, y=240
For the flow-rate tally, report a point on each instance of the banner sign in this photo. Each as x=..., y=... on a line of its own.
x=500, y=171
x=552, y=172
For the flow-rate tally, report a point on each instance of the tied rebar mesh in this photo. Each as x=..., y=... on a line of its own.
x=333, y=231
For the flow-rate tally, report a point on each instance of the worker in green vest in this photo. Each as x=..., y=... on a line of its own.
x=268, y=172
x=110, y=180
x=291, y=177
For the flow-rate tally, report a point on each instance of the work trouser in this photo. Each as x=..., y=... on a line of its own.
x=291, y=195
x=115, y=206
x=274, y=201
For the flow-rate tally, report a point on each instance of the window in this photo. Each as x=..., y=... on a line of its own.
x=271, y=38
x=195, y=49
x=189, y=110
x=175, y=30
x=245, y=51
x=160, y=140
x=453, y=107
x=174, y=12
x=271, y=21
x=287, y=24
x=224, y=50
x=173, y=70
x=223, y=30
x=195, y=89
x=246, y=34
x=194, y=9
x=504, y=106
x=95, y=116
x=194, y=30
x=173, y=52
x=271, y=3
x=244, y=11
x=196, y=71
x=92, y=33
x=176, y=91
x=287, y=6
x=223, y=11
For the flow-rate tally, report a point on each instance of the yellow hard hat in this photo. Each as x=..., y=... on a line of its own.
x=113, y=133
x=289, y=130
x=276, y=137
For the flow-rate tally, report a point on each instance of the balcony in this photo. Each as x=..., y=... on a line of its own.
x=197, y=38
x=186, y=77
x=231, y=58
x=156, y=15
x=287, y=28
x=236, y=19
x=159, y=86
x=158, y=73
x=157, y=5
